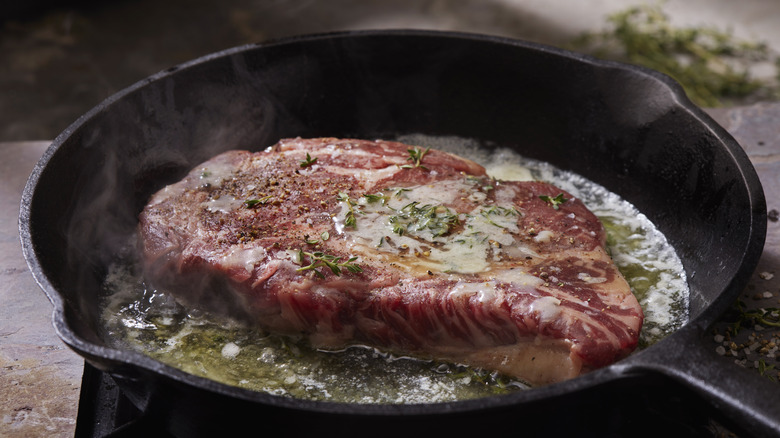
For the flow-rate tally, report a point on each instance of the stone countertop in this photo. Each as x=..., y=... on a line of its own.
x=41, y=378
x=756, y=344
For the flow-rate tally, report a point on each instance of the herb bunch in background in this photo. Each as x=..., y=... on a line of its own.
x=712, y=66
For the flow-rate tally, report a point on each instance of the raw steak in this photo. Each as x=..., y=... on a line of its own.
x=418, y=252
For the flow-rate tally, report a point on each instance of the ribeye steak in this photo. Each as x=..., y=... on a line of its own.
x=410, y=250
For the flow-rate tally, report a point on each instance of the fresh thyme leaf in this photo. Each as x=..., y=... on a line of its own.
x=323, y=237
x=555, y=202
x=412, y=218
x=351, y=267
x=378, y=197
x=763, y=367
x=308, y=161
x=399, y=193
x=416, y=156
x=319, y=259
x=349, y=219
x=251, y=203
x=765, y=316
x=497, y=210
x=398, y=227
x=502, y=211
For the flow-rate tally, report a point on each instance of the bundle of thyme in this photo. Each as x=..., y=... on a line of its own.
x=712, y=65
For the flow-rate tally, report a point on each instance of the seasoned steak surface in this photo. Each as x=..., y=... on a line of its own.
x=409, y=250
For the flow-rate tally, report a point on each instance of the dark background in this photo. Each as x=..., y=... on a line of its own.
x=58, y=59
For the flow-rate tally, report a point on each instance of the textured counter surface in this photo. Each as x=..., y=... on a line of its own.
x=40, y=377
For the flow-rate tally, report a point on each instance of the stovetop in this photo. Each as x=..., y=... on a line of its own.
x=646, y=410
x=105, y=412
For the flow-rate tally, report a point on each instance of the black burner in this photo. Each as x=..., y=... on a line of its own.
x=644, y=410
x=105, y=412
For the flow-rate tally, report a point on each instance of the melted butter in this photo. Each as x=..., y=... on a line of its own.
x=587, y=278
x=485, y=292
x=212, y=175
x=547, y=307
x=224, y=204
x=518, y=277
x=544, y=236
x=510, y=172
x=215, y=174
x=477, y=238
x=366, y=174
x=243, y=258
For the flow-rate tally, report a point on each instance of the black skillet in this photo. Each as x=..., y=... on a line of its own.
x=627, y=128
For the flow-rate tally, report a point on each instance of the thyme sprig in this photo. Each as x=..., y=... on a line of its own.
x=399, y=193
x=377, y=197
x=414, y=217
x=416, y=156
x=763, y=368
x=318, y=260
x=500, y=211
x=497, y=210
x=251, y=203
x=349, y=219
x=308, y=161
x=555, y=202
x=712, y=65
x=323, y=237
x=765, y=316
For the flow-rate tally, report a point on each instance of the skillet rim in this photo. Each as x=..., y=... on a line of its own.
x=108, y=356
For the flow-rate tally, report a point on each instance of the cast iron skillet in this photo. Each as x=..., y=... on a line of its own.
x=627, y=128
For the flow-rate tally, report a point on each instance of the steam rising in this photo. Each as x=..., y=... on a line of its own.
x=148, y=136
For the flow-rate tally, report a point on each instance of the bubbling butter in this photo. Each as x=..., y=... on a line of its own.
x=412, y=227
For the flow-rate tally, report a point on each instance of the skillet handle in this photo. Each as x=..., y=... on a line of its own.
x=747, y=401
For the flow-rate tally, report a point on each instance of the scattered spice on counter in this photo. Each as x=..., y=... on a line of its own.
x=748, y=332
